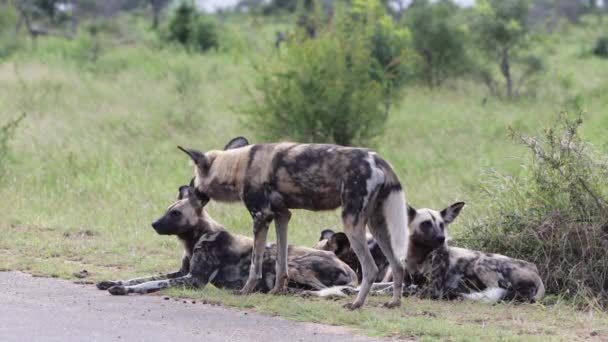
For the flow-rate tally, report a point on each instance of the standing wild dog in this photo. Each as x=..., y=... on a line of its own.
x=213, y=255
x=452, y=272
x=272, y=178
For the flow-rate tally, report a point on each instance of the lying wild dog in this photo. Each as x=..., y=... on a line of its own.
x=453, y=272
x=338, y=244
x=272, y=178
x=438, y=271
x=213, y=255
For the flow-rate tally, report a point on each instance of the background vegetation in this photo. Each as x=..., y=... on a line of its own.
x=107, y=98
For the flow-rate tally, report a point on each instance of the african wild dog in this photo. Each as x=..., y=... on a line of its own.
x=438, y=271
x=339, y=245
x=453, y=272
x=213, y=255
x=272, y=178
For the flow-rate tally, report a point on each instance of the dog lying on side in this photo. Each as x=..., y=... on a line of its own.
x=213, y=255
x=438, y=271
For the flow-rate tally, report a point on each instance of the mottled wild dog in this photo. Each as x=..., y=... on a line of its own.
x=452, y=272
x=271, y=179
x=436, y=270
x=213, y=255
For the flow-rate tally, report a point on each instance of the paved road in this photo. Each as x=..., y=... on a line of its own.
x=42, y=309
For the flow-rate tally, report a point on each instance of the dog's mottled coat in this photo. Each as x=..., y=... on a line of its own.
x=271, y=179
x=439, y=271
x=453, y=272
x=213, y=255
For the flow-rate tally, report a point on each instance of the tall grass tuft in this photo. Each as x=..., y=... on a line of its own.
x=7, y=133
x=555, y=216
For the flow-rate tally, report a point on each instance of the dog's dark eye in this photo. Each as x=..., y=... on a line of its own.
x=441, y=225
x=175, y=214
x=426, y=226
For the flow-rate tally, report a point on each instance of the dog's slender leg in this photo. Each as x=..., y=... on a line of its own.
x=356, y=236
x=397, y=269
x=380, y=230
x=106, y=284
x=281, y=222
x=153, y=286
x=260, y=231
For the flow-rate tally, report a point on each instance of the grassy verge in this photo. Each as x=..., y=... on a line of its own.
x=51, y=252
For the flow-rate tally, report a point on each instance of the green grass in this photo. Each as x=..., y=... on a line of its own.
x=95, y=161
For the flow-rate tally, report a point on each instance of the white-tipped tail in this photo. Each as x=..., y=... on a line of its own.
x=488, y=296
x=395, y=213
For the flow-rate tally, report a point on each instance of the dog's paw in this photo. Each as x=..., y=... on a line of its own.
x=281, y=291
x=392, y=304
x=106, y=284
x=118, y=290
x=352, y=306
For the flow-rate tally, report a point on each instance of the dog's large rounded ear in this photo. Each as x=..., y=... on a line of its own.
x=450, y=213
x=236, y=143
x=326, y=234
x=184, y=192
x=340, y=240
x=411, y=214
x=198, y=157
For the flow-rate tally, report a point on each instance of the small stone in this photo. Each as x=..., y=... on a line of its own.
x=166, y=298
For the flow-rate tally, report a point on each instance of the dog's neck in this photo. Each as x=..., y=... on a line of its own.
x=205, y=225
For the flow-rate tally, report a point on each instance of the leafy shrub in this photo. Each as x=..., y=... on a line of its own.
x=601, y=47
x=390, y=45
x=7, y=132
x=438, y=39
x=556, y=216
x=191, y=29
x=9, y=43
x=327, y=89
x=503, y=33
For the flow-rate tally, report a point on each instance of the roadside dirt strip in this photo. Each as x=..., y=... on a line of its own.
x=43, y=309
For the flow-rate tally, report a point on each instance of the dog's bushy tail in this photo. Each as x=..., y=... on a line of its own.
x=393, y=209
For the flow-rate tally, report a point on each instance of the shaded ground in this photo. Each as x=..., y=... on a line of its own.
x=44, y=309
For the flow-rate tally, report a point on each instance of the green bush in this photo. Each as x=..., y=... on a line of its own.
x=390, y=45
x=9, y=43
x=555, y=216
x=503, y=33
x=601, y=47
x=7, y=133
x=191, y=29
x=438, y=38
x=327, y=89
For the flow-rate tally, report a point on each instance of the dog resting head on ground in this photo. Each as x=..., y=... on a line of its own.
x=271, y=179
x=211, y=254
x=338, y=244
x=453, y=272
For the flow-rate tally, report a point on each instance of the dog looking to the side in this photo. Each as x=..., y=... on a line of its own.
x=438, y=271
x=453, y=272
x=271, y=179
x=213, y=255
x=338, y=244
